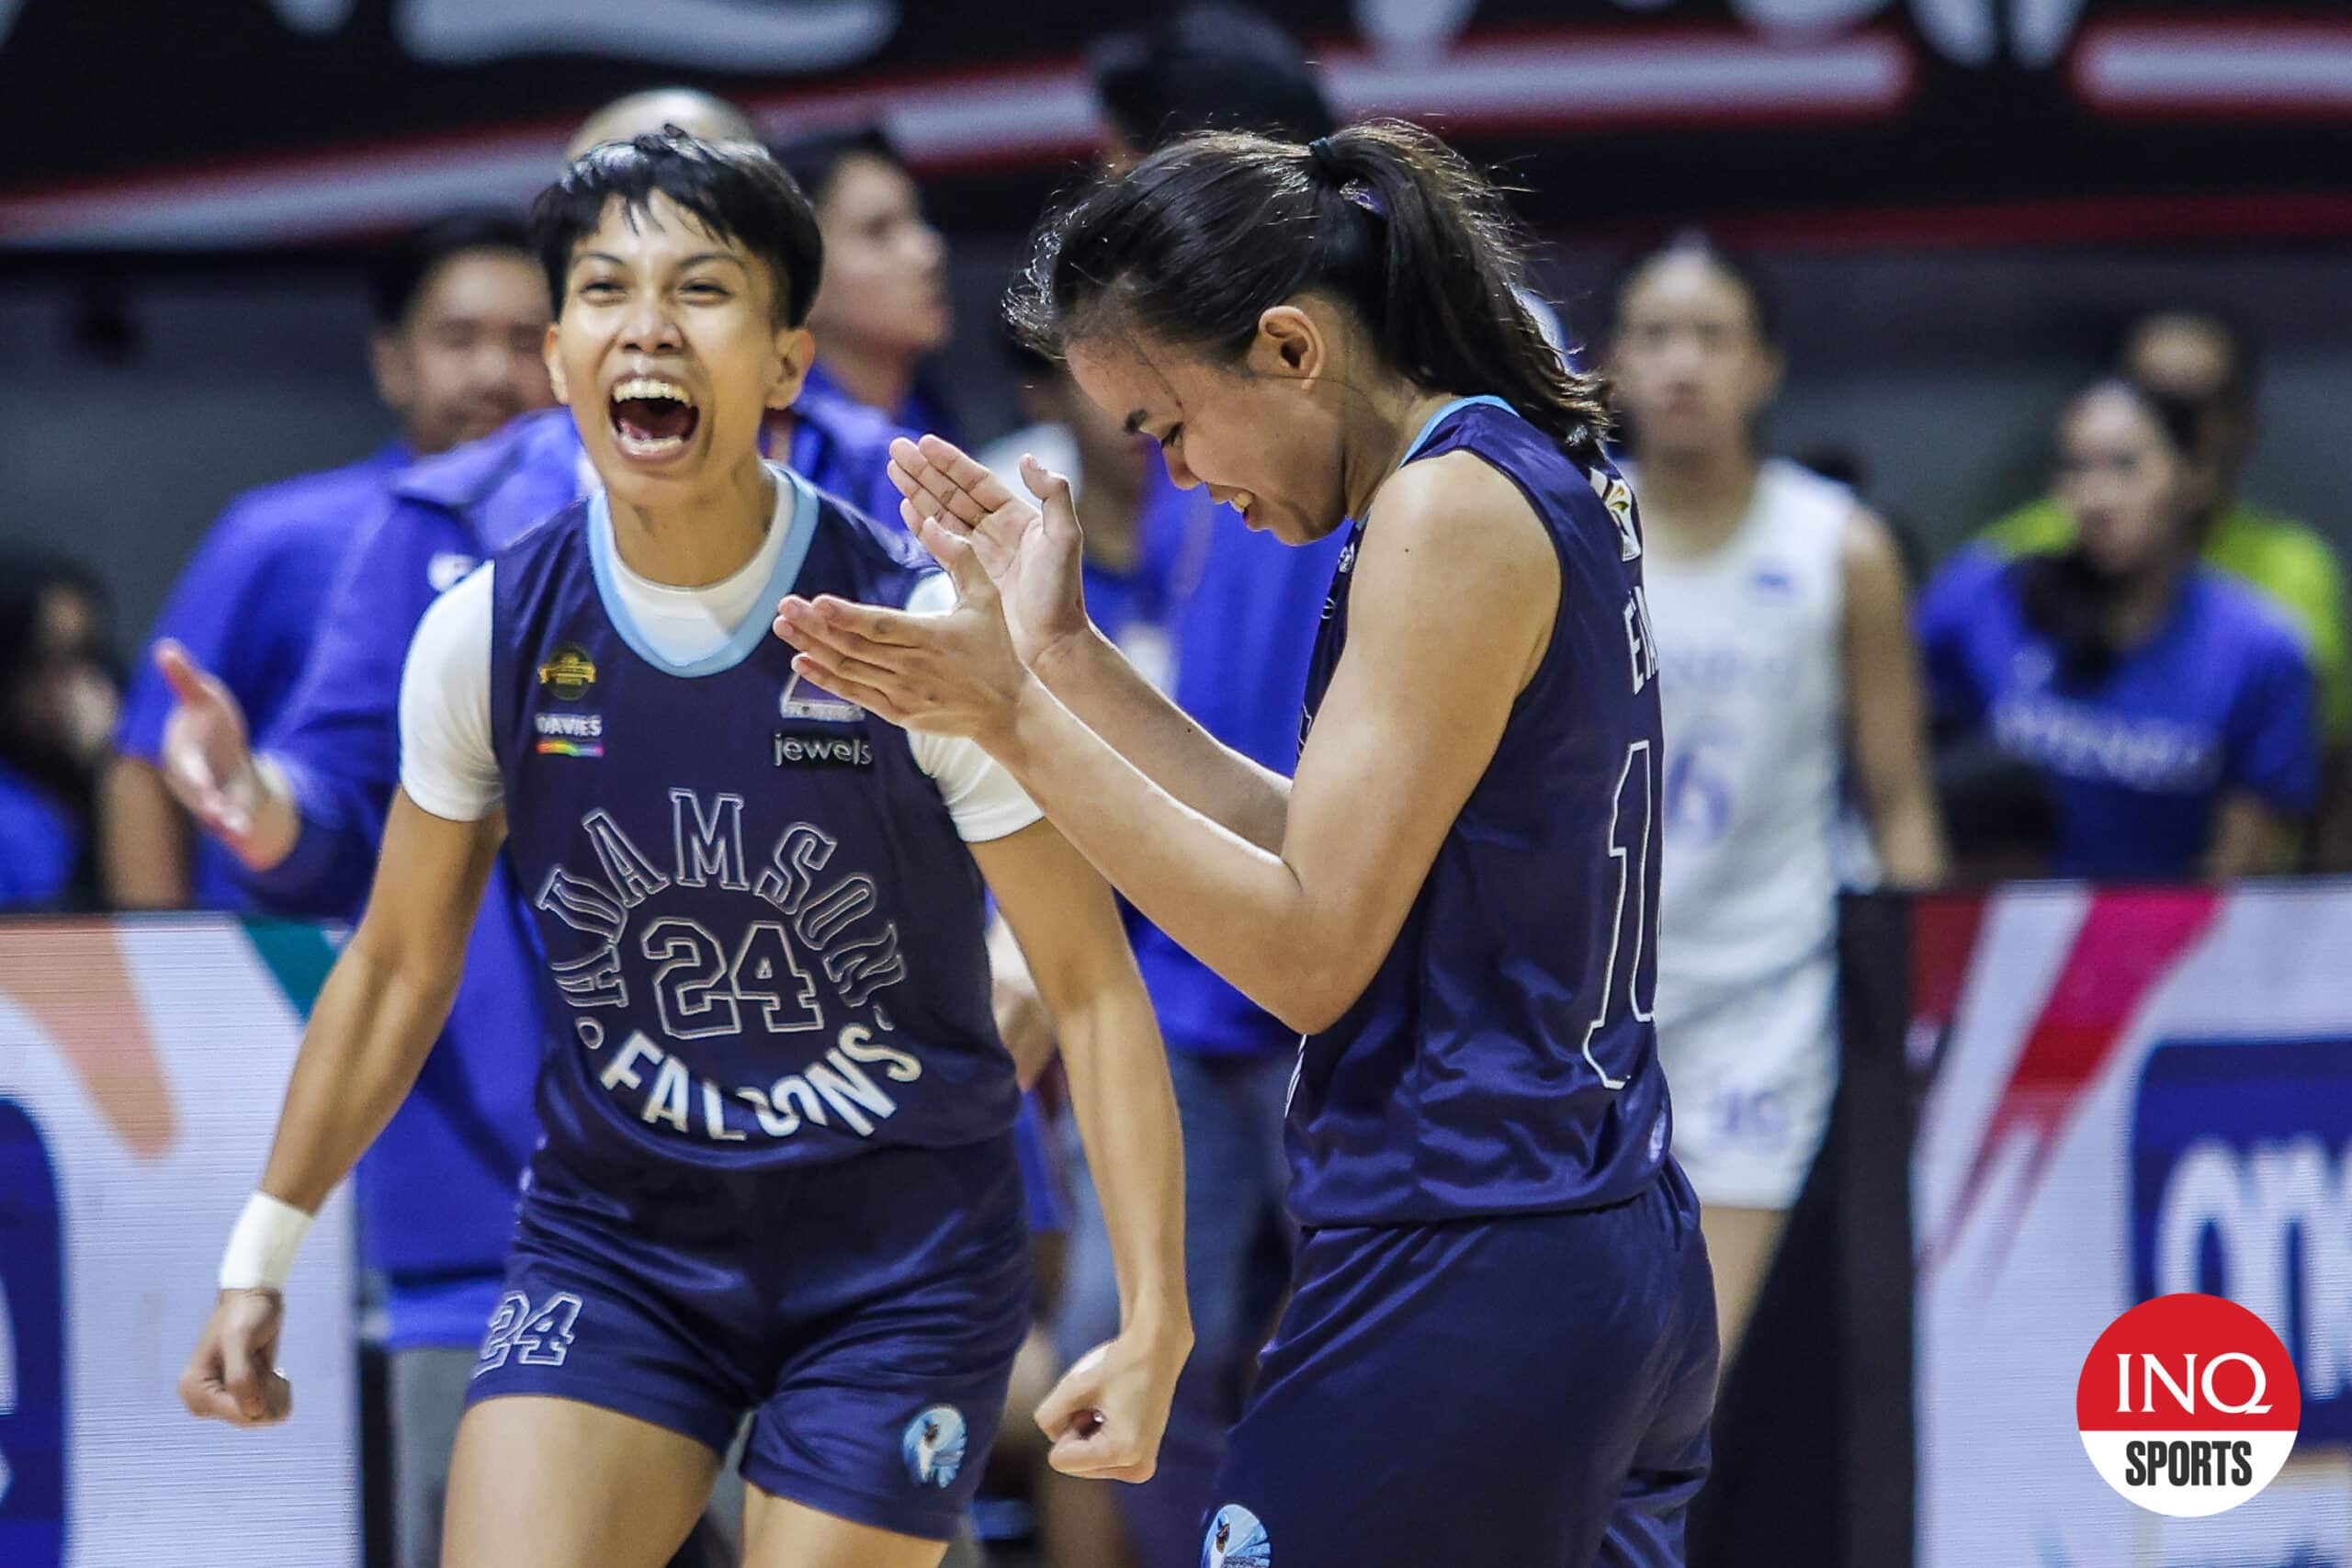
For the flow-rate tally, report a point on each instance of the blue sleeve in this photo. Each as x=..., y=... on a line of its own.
x=1959, y=596
x=338, y=742
x=2273, y=747
x=222, y=612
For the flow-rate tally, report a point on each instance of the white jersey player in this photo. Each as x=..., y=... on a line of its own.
x=1784, y=648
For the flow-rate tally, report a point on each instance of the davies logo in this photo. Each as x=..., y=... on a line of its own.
x=2188, y=1405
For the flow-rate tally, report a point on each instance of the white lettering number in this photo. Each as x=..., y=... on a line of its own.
x=1629, y=957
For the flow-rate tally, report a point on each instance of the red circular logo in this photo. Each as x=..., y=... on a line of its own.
x=2188, y=1405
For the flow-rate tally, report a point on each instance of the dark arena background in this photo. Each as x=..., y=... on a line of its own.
x=2066, y=1088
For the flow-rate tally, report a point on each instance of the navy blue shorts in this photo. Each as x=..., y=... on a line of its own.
x=1532, y=1389
x=867, y=1310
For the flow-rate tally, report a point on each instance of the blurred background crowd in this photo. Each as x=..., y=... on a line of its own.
x=2087, y=620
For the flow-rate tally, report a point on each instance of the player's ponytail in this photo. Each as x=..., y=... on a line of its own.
x=1201, y=238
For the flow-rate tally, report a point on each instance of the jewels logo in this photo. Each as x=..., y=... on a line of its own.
x=2189, y=1405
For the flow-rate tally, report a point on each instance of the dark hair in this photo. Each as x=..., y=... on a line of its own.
x=1198, y=240
x=2063, y=596
x=401, y=276
x=814, y=160
x=734, y=189
x=1208, y=67
x=1996, y=807
x=1762, y=308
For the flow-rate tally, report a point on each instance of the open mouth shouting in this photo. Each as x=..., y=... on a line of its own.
x=652, y=418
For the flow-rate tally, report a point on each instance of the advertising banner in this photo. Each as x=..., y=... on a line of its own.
x=142, y=1064
x=2138, y=1093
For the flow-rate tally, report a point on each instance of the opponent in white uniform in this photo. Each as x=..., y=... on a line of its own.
x=1778, y=604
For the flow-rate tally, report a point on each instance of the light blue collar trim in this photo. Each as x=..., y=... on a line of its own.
x=800, y=529
x=1457, y=406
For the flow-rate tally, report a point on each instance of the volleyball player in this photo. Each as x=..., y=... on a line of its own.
x=1500, y=1342
x=777, y=1171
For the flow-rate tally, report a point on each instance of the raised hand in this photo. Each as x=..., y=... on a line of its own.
x=950, y=673
x=208, y=760
x=233, y=1374
x=1033, y=554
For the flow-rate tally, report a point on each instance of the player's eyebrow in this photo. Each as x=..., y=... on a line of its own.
x=694, y=260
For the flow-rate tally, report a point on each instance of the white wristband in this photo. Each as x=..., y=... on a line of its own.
x=261, y=1250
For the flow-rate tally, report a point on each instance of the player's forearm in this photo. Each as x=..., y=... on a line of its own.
x=2249, y=839
x=1126, y=1118
x=1909, y=839
x=1234, y=904
x=145, y=842
x=1112, y=698
x=374, y=1024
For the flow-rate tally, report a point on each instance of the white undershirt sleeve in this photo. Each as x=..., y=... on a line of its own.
x=981, y=796
x=447, y=765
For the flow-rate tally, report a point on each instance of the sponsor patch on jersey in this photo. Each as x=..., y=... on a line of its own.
x=822, y=749
x=803, y=698
x=569, y=672
x=569, y=734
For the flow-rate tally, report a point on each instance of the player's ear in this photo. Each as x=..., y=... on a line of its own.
x=1290, y=343
x=795, y=350
x=555, y=367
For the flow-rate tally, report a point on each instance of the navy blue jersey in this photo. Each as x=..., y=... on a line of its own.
x=762, y=932
x=1502, y=1059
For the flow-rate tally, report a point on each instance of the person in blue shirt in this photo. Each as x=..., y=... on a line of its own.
x=1499, y=1344
x=883, y=308
x=459, y=311
x=777, y=1174
x=2170, y=710
x=59, y=696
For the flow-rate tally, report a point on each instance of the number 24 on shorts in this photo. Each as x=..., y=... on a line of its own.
x=540, y=1339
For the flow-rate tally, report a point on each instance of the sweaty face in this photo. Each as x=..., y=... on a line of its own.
x=1260, y=441
x=467, y=358
x=886, y=268
x=668, y=353
x=2129, y=489
x=1691, y=364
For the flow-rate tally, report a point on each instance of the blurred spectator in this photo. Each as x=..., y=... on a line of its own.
x=1204, y=67
x=2205, y=361
x=882, y=308
x=462, y=314
x=1781, y=628
x=2168, y=706
x=58, y=693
